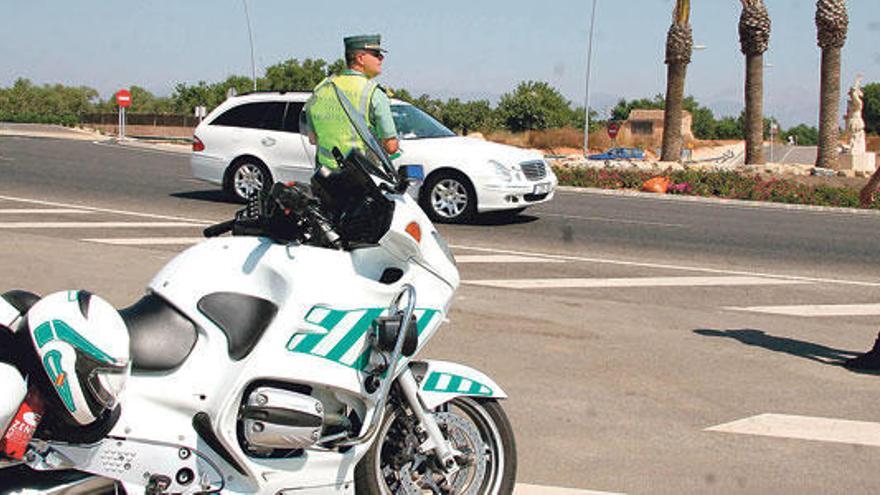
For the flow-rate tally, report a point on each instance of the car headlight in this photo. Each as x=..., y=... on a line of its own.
x=507, y=174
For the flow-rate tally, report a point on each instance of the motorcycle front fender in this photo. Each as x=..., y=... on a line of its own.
x=442, y=381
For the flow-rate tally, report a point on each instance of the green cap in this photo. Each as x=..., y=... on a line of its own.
x=363, y=42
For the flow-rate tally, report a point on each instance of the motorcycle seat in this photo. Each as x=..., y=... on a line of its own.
x=161, y=337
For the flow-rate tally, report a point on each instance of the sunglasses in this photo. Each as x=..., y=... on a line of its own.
x=376, y=54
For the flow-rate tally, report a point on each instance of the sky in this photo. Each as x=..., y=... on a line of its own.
x=455, y=48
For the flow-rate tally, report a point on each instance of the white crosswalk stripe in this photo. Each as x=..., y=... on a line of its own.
x=601, y=283
x=502, y=258
x=95, y=225
x=147, y=241
x=527, y=489
x=815, y=310
x=805, y=428
x=41, y=211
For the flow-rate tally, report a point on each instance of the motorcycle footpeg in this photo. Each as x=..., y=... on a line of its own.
x=157, y=484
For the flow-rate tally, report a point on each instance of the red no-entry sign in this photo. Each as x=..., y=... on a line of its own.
x=613, y=129
x=123, y=98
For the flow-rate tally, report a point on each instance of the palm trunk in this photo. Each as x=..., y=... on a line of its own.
x=829, y=101
x=675, y=77
x=754, y=123
x=866, y=195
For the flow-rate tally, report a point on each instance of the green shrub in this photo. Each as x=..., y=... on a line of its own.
x=722, y=184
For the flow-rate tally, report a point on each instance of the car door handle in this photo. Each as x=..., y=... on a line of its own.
x=267, y=141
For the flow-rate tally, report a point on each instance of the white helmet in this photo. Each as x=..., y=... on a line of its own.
x=83, y=345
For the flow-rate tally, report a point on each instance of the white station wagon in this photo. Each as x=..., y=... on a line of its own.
x=252, y=140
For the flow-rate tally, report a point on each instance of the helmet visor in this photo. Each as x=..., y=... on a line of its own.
x=106, y=384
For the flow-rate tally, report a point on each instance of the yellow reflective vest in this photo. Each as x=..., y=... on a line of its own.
x=327, y=118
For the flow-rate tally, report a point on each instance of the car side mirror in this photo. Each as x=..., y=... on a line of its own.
x=411, y=175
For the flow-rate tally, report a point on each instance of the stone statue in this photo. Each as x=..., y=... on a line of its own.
x=854, y=122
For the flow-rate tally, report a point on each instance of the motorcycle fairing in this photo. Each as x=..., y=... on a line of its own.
x=443, y=381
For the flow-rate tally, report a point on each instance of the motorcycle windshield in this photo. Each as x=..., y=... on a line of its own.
x=324, y=123
x=377, y=156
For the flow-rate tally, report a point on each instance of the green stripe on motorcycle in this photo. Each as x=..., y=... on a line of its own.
x=454, y=384
x=307, y=343
x=358, y=331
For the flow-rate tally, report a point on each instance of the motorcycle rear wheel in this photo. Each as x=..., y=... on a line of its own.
x=493, y=473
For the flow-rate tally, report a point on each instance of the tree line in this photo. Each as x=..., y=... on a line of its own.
x=532, y=105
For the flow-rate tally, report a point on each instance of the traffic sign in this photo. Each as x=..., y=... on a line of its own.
x=123, y=98
x=613, y=129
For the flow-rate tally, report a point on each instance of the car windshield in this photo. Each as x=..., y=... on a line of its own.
x=413, y=123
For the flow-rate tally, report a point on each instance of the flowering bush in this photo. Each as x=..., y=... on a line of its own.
x=722, y=184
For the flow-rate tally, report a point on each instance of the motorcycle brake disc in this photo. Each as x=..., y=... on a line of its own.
x=464, y=437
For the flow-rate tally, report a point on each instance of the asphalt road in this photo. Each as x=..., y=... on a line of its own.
x=621, y=327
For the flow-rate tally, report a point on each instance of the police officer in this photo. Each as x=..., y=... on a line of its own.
x=329, y=127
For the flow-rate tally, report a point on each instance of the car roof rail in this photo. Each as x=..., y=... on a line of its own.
x=278, y=91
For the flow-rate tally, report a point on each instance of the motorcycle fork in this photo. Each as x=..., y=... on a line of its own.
x=428, y=423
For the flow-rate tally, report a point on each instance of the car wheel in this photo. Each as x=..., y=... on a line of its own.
x=449, y=197
x=247, y=175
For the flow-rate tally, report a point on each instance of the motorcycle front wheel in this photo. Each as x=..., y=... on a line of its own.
x=478, y=430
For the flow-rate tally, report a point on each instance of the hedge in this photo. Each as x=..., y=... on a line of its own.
x=720, y=184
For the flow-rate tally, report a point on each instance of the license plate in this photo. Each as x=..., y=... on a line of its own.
x=543, y=188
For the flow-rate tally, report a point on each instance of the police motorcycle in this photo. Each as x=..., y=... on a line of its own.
x=280, y=360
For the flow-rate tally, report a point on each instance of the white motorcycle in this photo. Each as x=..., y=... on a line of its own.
x=277, y=360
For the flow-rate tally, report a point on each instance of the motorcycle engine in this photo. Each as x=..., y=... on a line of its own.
x=273, y=418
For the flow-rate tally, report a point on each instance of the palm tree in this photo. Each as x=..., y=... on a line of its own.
x=679, y=44
x=754, y=38
x=831, y=25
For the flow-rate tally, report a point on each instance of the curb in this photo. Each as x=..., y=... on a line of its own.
x=150, y=145
x=718, y=201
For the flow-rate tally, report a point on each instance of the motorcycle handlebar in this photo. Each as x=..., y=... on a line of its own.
x=218, y=229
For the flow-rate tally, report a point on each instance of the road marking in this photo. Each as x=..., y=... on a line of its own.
x=614, y=220
x=106, y=210
x=145, y=150
x=495, y=250
x=667, y=267
x=601, y=283
x=805, y=428
x=147, y=241
x=16, y=211
x=815, y=310
x=526, y=489
x=94, y=225
x=502, y=258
